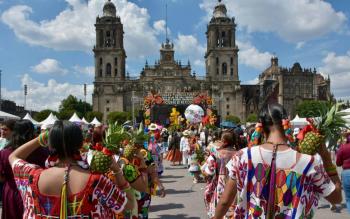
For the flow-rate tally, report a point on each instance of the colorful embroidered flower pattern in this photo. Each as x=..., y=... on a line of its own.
x=253, y=187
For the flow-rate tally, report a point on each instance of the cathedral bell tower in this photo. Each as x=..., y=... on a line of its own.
x=221, y=57
x=110, y=58
x=109, y=49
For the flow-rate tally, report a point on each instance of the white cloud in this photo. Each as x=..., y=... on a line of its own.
x=294, y=21
x=188, y=45
x=160, y=26
x=253, y=81
x=46, y=96
x=49, y=66
x=73, y=28
x=87, y=70
x=338, y=68
x=252, y=57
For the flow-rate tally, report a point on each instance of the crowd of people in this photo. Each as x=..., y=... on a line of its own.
x=252, y=173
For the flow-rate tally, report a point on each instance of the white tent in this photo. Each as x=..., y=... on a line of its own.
x=49, y=121
x=347, y=119
x=345, y=111
x=5, y=115
x=95, y=122
x=29, y=117
x=75, y=118
x=298, y=122
x=84, y=120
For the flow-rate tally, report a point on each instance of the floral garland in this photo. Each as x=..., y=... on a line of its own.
x=150, y=100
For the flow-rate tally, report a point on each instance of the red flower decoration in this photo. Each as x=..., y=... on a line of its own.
x=98, y=147
x=107, y=152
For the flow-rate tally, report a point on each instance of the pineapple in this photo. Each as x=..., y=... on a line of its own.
x=102, y=154
x=137, y=138
x=327, y=127
x=100, y=162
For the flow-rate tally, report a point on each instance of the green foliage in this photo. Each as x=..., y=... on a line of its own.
x=90, y=116
x=43, y=114
x=234, y=119
x=252, y=118
x=311, y=108
x=119, y=117
x=70, y=105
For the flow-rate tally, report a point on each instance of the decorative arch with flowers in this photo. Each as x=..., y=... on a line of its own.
x=150, y=100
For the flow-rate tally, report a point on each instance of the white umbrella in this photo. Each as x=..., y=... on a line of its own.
x=95, y=122
x=5, y=115
x=29, y=117
x=194, y=113
x=75, y=118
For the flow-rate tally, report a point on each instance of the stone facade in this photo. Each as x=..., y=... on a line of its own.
x=287, y=86
x=114, y=90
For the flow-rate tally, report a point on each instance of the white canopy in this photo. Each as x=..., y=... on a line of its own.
x=345, y=111
x=95, y=122
x=29, y=117
x=84, y=121
x=5, y=115
x=49, y=121
x=299, y=122
x=347, y=119
x=75, y=118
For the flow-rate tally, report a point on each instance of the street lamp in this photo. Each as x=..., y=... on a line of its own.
x=84, y=99
x=25, y=95
x=133, y=99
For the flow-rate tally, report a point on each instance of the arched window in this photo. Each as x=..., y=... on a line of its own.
x=108, y=70
x=217, y=60
x=224, y=68
x=115, y=62
x=101, y=62
x=101, y=38
x=115, y=72
x=231, y=60
x=231, y=71
x=223, y=39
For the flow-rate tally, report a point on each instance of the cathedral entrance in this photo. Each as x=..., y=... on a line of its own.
x=157, y=108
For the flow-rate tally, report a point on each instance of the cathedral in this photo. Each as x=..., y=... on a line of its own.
x=114, y=90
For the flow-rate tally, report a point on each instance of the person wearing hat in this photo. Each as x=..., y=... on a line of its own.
x=185, y=147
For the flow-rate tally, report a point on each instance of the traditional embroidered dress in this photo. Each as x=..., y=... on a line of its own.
x=100, y=199
x=298, y=186
x=217, y=174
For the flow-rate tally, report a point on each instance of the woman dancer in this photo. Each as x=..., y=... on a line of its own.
x=275, y=181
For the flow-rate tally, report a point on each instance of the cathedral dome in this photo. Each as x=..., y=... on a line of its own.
x=296, y=68
x=109, y=9
x=220, y=10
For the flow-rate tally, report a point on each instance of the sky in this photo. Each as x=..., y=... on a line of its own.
x=47, y=44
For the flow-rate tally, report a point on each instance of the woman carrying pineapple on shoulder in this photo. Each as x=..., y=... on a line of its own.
x=272, y=180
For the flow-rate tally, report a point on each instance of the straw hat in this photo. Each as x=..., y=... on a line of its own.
x=186, y=133
x=153, y=127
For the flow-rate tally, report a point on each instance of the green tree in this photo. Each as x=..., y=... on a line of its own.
x=43, y=114
x=310, y=108
x=234, y=119
x=90, y=116
x=252, y=118
x=70, y=105
x=119, y=117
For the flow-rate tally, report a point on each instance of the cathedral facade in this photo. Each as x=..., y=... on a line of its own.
x=114, y=90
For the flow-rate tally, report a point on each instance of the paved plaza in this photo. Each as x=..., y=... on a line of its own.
x=185, y=199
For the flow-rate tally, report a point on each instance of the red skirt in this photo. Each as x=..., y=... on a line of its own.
x=174, y=155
